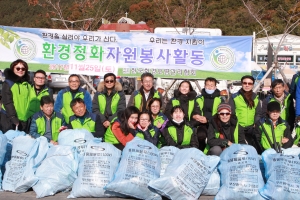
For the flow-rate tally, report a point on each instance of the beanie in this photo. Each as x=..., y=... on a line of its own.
x=273, y=106
x=224, y=106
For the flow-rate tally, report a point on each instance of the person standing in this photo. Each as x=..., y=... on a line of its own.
x=15, y=97
x=66, y=95
x=109, y=99
x=141, y=97
x=37, y=91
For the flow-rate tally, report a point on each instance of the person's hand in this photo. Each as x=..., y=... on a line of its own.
x=197, y=117
x=158, y=125
x=62, y=128
x=229, y=143
x=106, y=124
x=131, y=126
x=284, y=140
x=53, y=142
x=203, y=120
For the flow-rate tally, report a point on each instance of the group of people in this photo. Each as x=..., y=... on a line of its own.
x=208, y=122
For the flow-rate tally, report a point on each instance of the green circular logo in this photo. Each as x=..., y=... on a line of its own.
x=25, y=49
x=222, y=58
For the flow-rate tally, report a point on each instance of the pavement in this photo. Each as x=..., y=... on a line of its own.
x=30, y=195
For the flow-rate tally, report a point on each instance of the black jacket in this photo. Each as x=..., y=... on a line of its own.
x=147, y=135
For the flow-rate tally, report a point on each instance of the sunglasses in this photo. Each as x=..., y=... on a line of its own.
x=109, y=81
x=225, y=114
x=20, y=68
x=247, y=83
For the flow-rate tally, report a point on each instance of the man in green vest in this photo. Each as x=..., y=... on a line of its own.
x=82, y=118
x=46, y=122
x=37, y=91
x=141, y=97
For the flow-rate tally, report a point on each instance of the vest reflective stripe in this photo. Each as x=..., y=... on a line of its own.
x=114, y=103
x=285, y=112
x=56, y=123
x=66, y=109
x=110, y=137
x=20, y=94
x=141, y=135
x=244, y=114
x=279, y=133
x=186, y=136
x=138, y=102
x=176, y=102
x=88, y=124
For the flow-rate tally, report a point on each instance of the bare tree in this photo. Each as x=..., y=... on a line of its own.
x=290, y=15
x=188, y=14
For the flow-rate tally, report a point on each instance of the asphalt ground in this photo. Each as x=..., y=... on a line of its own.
x=31, y=195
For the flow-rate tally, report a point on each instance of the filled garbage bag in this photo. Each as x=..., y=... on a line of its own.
x=213, y=185
x=186, y=176
x=3, y=143
x=282, y=173
x=57, y=172
x=140, y=163
x=240, y=173
x=96, y=170
x=167, y=154
x=75, y=137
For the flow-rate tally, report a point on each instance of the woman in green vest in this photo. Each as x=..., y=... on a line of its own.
x=177, y=133
x=158, y=118
x=15, y=97
x=223, y=130
x=146, y=130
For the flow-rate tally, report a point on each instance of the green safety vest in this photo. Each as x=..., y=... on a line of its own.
x=138, y=99
x=244, y=113
x=56, y=123
x=217, y=101
x=114, y=103
x=297, y=137
x=109, y=136
x=20, y=94
x=34, y=100
x=176, y=102
x=188, y=132
x=66, y=109
x=159, y=118
x=279, y=133
x=285, y=112
x=141, y=135
x=88, y=124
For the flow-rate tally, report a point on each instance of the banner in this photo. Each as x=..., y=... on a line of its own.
x=127, y=54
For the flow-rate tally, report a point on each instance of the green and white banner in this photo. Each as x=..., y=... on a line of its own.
x=127, y=54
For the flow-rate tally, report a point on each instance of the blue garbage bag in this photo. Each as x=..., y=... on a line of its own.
x=167, y=154
x=10, y=135
x=3, y=143
x=24, y=149
x=186, y=176
x=282, y=174
x=75, y=137
x=57, y=172
x=96, y=170
x=240, y=173
x=140, y=163
x=213, y=185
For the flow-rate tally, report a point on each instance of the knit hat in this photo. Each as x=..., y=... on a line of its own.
x=248, y=76
x=224, y=106
x=273, y=106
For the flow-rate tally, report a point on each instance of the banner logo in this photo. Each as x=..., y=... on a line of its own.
x=25, y=49
x=222, y=58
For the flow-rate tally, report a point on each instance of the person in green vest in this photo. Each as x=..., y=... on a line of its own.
x=122, y=129
x=82, y=118
x=141, y=97
x=15, y=97
x=223, y=130
x=177, y=133
x=109, y=99
x=272, y=131
x=285, y=100
x=158, y=118
x=147, y=131
x=46, y=122
x=37, y=91
x=66, y=95
x=245, y=104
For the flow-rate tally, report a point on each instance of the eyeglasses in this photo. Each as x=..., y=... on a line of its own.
x=225, y=114
x=109, y=81
x=144, y=119
x=42, y=78
x=20, y=68
x=247, y=83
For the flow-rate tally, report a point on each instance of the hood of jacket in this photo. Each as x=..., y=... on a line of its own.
x=101, y=87
x=10, y=75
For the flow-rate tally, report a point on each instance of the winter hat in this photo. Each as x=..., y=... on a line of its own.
x=273, y=106
x=224, y=106
x=247, y=76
